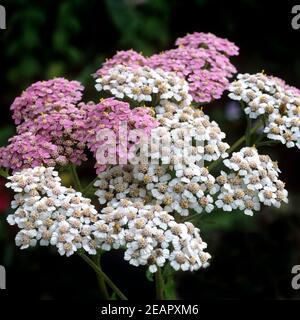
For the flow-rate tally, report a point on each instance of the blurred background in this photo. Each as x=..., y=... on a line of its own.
x=252, y=256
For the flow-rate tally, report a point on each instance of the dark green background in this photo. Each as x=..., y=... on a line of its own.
x=252, y=257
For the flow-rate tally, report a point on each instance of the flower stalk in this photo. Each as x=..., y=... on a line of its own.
x=103, y=275
x=75, y=177
x=101, y=281
x=159, y=284
x=87, y=189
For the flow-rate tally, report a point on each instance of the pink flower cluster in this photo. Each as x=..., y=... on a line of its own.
x=208, y=41
x=283, y=84
x=45, y=96
x=129, y=58
x=113, y=114
x=63, y=127
x=54, y=129
x=49, y=126
x=202, y=59
x=206, y=71
x=27, y=150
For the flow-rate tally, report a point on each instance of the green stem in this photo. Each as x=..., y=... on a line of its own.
x=109, y=282
x=89, y=186
x=189, y=218
x=101, y=281
x=75, y=177
x=238, y=143
x=159, y=284
x=259, y=139
x=268, y=143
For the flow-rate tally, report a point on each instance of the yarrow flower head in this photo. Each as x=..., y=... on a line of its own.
x=208, y=41
x=27, y=150
x=191, y=186
x=64, y=127
x=51, y=214
x=151, y=237
x=206, y=71
x=117, y=183
x=193, y=137
x=269, y=97
x=201, y=59
x=144, y=84
x=50, y=126
x=128, y=58
x=44, y=96
x=110, y=128
x=287, y=87
x=190, y=189
x=253, y=181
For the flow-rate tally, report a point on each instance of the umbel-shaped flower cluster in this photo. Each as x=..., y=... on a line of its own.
x=160, y=168
x=49, y=213
x=201, y=59
x=274, y=101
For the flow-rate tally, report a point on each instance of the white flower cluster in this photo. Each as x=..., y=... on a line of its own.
x=153, y=183
x=172, y=175
x=118, y=183
x=144, y=84
x=150, y=236
x=137, y=199
x=49, y=213
x=190, y=127
x=279, y=105
x=253, y=181
x=191, y=189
